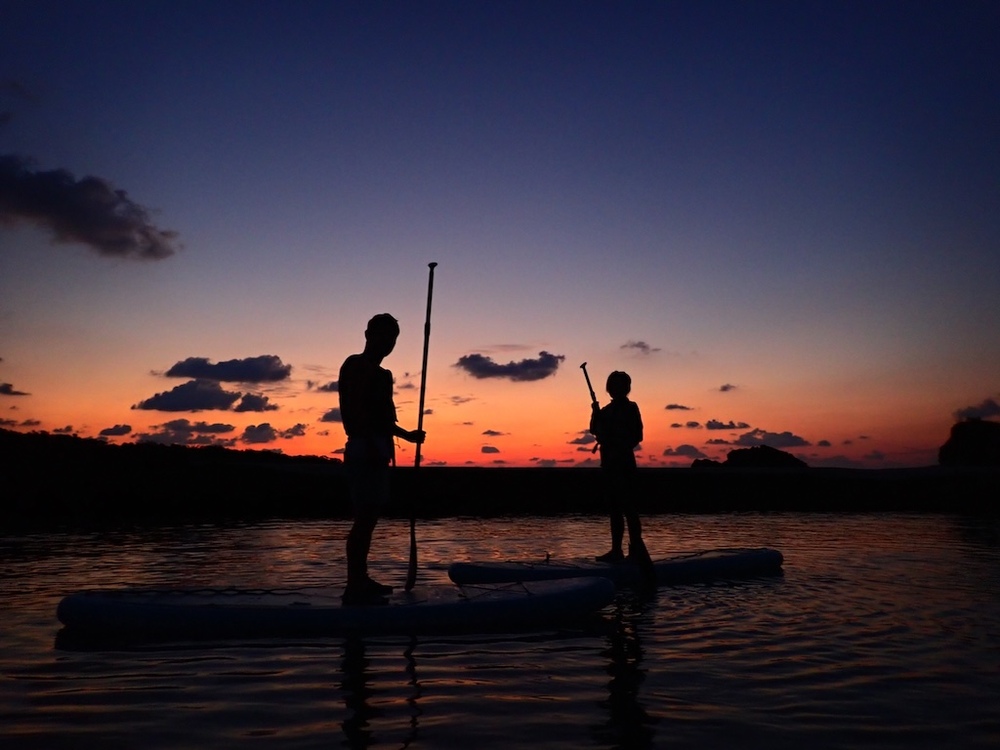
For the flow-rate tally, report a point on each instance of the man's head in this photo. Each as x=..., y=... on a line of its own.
x=381, y=334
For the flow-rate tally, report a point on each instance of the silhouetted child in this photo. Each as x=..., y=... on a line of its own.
x=618, y=429
x=369, y=416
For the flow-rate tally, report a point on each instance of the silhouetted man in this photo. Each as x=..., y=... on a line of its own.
x=369, y=416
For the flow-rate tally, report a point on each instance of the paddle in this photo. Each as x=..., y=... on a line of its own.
x=593, y=397
x=411, y=571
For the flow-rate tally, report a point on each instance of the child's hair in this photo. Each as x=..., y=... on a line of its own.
x=619, y=384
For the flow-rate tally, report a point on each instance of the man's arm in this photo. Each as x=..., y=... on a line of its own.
x=413, y=436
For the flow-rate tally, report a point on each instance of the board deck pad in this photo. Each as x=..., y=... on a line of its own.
x=318, y=611
x=688, y=567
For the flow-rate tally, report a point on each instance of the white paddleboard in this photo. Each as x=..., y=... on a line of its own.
x=690, y=567
x=235, y=613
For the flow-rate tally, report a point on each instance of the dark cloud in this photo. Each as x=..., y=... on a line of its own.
x=725, y=388
x=90, y=211
x=585, y=438
x=263, y=369
x=678, y=407
x=195, y=395
x=332, y=387
x=185, y=432
x=493, y=433
x=549, y=462
x=117, y=431
x=6, y=389
x=67, y=430
x=255, y=402
x=684, y=451
x=988, y=408
x=715, y=424
x=259, y=433
x=185, y=425
x=823, y=444
x=490, y=449
x=639, y=346
x=481, y=366
x=771, y=439
x=267, y=433
x=332, y=416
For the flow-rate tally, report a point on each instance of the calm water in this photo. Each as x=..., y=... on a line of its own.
x=884, y=631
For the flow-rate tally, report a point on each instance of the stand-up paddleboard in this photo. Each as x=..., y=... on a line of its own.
x=243, y=613
x=692, y=567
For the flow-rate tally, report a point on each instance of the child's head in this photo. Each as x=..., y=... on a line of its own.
x=619, y=384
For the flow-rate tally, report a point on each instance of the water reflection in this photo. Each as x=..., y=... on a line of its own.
x=358, y=693
x=629, y=724
x=361, y=696
x=413, y=700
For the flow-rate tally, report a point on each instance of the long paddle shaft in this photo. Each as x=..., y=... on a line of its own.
x=411, y=571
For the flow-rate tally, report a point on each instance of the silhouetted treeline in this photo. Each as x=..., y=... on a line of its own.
x=62, y=480
x=65, y=479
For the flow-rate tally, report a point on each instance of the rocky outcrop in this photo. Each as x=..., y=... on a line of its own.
x=974, y=442
x=758, y=457
x=763, y=457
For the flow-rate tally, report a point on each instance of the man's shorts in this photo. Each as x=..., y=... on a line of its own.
x=369, y=489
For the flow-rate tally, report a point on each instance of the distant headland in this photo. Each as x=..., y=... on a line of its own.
x=65, y=480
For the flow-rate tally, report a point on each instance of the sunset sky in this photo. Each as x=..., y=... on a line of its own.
x=782, y=218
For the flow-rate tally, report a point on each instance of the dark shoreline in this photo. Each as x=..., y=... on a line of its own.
x=65, y=481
